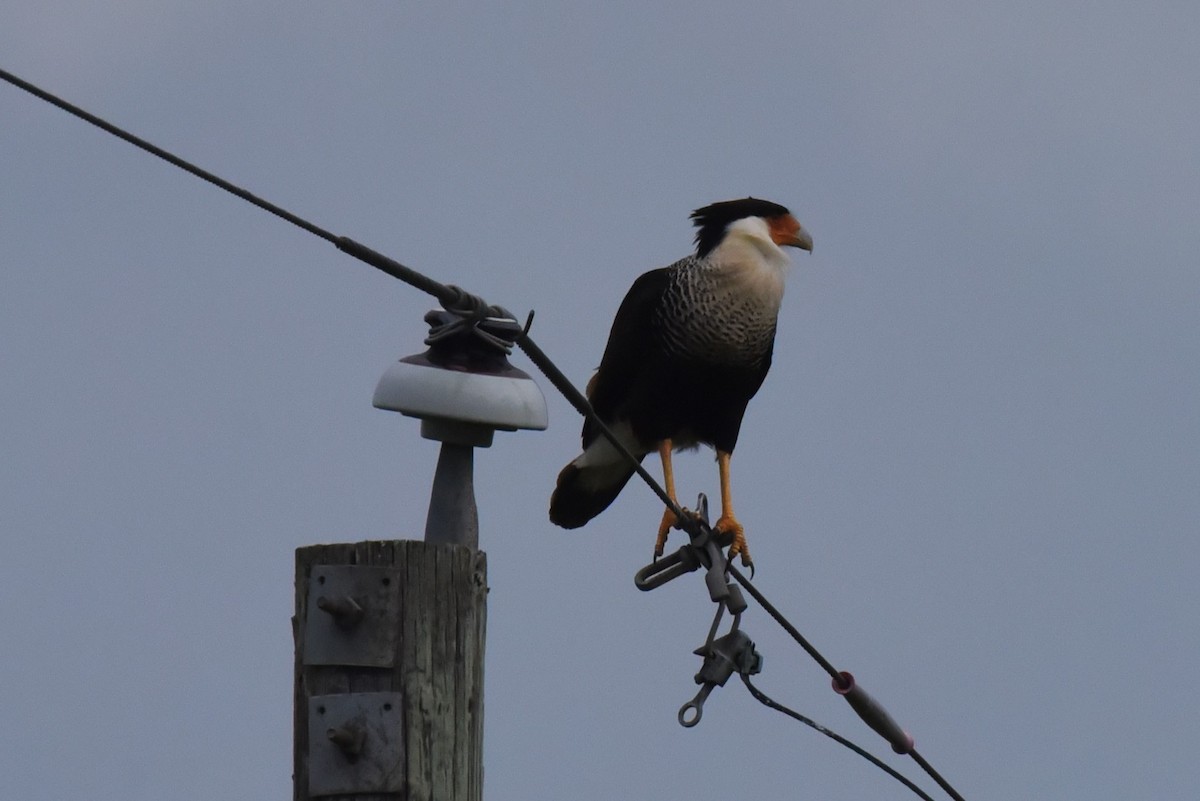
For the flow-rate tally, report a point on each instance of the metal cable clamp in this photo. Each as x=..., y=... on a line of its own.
x=730, y=653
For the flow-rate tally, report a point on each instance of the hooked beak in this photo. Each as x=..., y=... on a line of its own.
x=801, y=239
x=786, y=231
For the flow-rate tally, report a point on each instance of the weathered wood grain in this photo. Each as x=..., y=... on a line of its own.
x=438, y=667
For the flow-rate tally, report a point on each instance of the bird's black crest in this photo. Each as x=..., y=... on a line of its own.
x=711, y=221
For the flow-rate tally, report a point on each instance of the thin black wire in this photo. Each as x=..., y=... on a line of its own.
x=766, y=700
x=786, y=624
x=584, y=407
x=937, y=777
x=452, y=298
x=162, y=154
x=449, y=296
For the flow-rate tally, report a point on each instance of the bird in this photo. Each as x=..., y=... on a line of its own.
x=690, y=345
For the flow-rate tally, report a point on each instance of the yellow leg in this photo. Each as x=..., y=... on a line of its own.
x=727, y=523
x=668, y=519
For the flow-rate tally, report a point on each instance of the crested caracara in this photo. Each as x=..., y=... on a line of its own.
x=689, y=347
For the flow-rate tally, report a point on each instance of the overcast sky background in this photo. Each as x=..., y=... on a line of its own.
x=972, y=478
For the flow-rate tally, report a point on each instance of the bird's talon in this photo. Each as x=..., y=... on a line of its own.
x=728, y=526
x=669, y=521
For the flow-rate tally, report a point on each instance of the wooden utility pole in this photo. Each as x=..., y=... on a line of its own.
x=390, y=635
x=389, y=671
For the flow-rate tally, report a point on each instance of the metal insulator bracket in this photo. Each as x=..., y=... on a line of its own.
x=352, y=614
x=355, y=744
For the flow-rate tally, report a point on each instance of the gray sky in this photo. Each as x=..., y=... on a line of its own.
x=972, y=478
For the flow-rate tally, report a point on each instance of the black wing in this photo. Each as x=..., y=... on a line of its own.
x=628, y=356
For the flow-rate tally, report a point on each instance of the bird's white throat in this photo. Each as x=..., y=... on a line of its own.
x=750, y=263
